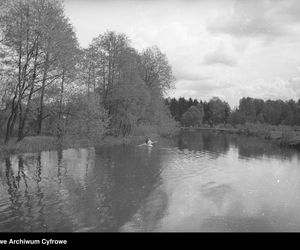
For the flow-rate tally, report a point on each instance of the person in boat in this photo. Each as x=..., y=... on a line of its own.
x=148, y=142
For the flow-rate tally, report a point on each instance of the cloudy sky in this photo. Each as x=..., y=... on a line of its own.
x=223, y=48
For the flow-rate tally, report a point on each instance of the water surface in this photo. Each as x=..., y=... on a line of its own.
x=200, y=181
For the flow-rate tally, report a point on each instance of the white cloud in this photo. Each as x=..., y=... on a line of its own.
x=220, y=56
x=228, y=48
x=256, y=18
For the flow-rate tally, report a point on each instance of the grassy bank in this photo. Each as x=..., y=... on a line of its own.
x=282, y=135
x=46, y=143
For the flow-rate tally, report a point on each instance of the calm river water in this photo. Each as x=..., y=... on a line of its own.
x=200, y=181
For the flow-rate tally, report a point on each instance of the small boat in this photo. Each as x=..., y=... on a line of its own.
x=147, y=145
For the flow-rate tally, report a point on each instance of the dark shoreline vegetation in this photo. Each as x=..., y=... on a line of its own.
x=274, y=120
x=283, y=136
x=54, y=93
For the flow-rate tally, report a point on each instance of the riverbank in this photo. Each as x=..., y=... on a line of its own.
x=282, y=135
x=47, y=143
x=32, y=144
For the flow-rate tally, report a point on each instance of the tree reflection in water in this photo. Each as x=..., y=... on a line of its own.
x=204, y=181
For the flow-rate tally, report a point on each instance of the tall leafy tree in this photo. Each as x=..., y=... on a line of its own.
x=193, y=116
x=36, y=30
x=155, y=69
x=219, y=110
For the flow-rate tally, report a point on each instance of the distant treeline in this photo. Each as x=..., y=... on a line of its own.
x=50, y=85
x=193, y=112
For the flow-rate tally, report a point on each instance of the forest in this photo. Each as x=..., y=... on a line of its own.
x=51, y=86
x=192, y=112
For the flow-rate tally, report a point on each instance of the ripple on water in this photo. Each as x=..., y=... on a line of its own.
x=209, y=183
x=185, y=164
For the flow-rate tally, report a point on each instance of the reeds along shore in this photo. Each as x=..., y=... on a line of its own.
x=282, y=135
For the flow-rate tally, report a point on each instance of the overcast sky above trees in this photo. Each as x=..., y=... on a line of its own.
x=219, y=48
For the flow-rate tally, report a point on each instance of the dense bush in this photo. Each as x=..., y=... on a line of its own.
x=87, y=118
x=193, y=116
